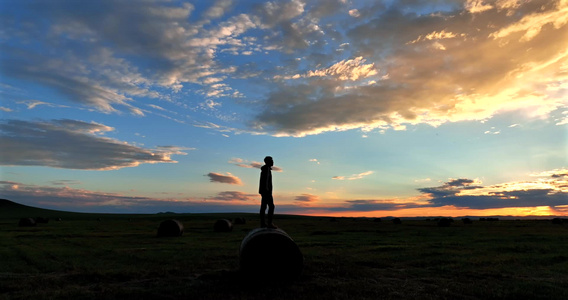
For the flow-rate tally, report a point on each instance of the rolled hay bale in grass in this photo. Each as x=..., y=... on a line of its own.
x=467, y=221
x=396, y=221
x=223, y=225
x=27, y=222
x=240, y=221
x=267, y=253
x=42, y=220
x=170, y=228
x=445, y=222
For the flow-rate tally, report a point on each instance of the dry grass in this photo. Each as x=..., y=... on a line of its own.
x=120, y=257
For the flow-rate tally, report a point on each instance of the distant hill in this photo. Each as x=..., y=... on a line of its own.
x=13, y=210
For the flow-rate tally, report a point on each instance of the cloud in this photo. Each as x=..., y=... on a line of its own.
x=31, y=104
x=221, y=178
x=75, y=87
x=532, y=24
x=218, y=9
x=65, y=182
x=349, y=69
x=484, y=70
x=100, y=68
x=234, y=196
x=354, y=176
x=556, y=173
x=56, y=196
x=551, y=189
x=315, y=161
x=251, y=164
x=422, y=180
x=407, y=62
x=82, y=200
x=73, y=144
x=373, y=205
x=354, y=13
x=307, y=198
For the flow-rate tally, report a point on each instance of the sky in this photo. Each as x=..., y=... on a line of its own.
x=369, y=108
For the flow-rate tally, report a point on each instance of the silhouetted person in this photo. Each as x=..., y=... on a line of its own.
x=265, y=190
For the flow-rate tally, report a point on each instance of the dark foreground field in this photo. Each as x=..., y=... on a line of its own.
x=120, y=257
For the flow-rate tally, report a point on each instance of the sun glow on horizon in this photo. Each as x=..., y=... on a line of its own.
x=449, y=211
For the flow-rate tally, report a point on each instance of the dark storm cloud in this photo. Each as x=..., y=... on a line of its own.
x=72, y=144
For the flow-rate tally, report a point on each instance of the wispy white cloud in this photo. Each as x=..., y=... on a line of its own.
x=349, y=69
x=251, y=164
x=234, y=196
x=31, y=104
x=354, y=176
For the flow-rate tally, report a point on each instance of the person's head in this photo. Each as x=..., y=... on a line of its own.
x=268, y=161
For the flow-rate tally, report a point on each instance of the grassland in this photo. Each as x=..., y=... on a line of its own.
x=87, y=256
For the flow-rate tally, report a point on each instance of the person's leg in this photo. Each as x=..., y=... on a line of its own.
x=270, y=203
x=262, y=211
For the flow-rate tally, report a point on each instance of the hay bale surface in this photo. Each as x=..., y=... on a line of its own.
x=170, y=228
x=396, y=221
x=445, y=222
x=240, y=221
x=223, y=225
x=467, y=221
x=27, y=222
x=42, y=220
x=269, y=254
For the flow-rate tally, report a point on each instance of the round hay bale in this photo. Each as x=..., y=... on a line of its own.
x=396, y=221
x=467, y=221
x=170, y=228
x=444, y=222
x=27, y=222
x=240, y=221
x=223, y=225
x=42, y=220
x=270, y=253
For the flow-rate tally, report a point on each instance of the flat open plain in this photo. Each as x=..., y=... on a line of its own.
x=91, y=256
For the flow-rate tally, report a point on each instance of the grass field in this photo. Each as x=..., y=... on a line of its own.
x=87, y=256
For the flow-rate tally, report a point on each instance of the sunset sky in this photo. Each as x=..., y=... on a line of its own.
x=369, y=108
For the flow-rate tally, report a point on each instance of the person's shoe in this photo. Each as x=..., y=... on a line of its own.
x=272, y=226
x=262, y=225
